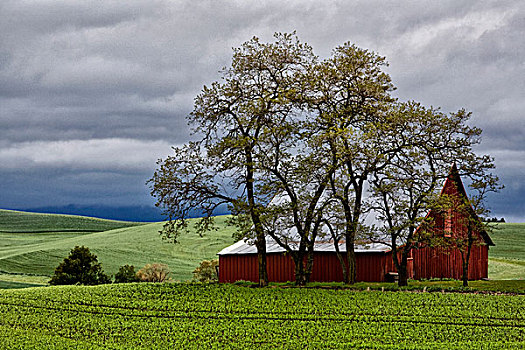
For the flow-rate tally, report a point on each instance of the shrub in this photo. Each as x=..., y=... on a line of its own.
x=80, y=267
x=206, y=272
x=126, y=274
x=154, y=273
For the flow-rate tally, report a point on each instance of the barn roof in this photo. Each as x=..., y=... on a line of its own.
x=289, y=234
x=246, y=247
x=322, y=245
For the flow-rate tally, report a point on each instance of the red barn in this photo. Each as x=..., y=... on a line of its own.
x=447, y=263
x=373, y=260
x=239, y=262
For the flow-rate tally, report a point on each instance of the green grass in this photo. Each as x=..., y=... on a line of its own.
x=489, y=286
x=31, y=279
x=16, y=285
x=23, y=222
x=195, y=316
x=507, y=257
x=35, y=252
x=509, y=240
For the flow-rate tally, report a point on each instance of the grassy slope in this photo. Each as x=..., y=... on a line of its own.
x=507, y=257
x=17, y=221
x=35, y=252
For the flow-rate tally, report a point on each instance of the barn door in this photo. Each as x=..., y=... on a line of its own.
x=410, y=265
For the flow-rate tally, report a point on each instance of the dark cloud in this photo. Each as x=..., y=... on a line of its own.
x=30, y=188
x=78, y=80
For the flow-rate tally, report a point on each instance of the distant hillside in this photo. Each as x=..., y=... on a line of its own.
x=507, y=257
x=32, y=245
x=27, y=247
x=139, y=213
x=126, y=213
x=19, y=221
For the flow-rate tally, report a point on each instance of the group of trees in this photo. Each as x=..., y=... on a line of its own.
x=301, y=148
x=82, y=267
x=494, y=219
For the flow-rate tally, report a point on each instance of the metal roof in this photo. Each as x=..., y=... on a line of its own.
x=289, y=234
x=246, y=247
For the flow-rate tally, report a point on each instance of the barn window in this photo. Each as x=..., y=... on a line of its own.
x=448, y=223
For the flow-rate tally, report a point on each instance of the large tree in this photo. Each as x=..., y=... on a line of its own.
x=293, y=145
x=234, y=121
x=350, y=96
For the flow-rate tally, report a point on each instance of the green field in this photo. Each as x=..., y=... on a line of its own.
x=185, y=316
x=12, y=221
x=507, y=257
x=29, y=251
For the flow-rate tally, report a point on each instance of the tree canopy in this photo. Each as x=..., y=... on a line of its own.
x=300, y=148
x=80, y=267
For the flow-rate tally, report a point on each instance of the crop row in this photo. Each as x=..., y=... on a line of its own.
x=215, y=316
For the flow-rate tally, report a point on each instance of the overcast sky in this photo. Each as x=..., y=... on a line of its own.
x=92, y=93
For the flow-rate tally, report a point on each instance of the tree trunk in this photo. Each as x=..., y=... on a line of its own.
x=465, y=274
x=309, y=264
x=350, y=256
x=401, y=266
x=299, y=271
x=261, y=258
x=261, y=239
x=343, y=267
x=466, y=259
x=402, y=275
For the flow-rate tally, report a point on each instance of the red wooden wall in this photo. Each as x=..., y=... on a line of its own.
x=370, y=267
x=442, y=263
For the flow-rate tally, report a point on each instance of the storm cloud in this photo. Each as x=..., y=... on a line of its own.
x=92, y=93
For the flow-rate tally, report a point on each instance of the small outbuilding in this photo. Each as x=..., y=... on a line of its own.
x=373, y=260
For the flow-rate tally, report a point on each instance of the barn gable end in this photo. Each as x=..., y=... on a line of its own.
x=438, y=262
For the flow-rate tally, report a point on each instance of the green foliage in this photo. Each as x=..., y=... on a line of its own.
x=126, y=274
x=154, y=273
x=186, y=316
x=206, y=272
x=80, y=267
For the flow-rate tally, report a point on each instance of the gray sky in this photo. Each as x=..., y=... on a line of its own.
x=92, y=93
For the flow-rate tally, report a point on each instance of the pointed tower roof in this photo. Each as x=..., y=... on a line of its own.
x=453, y=182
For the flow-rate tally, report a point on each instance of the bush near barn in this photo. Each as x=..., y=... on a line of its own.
x=207, y=271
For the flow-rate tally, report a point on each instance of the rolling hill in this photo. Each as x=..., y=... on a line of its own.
x=507, y=257
x=32, y=245
x=12, y=221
